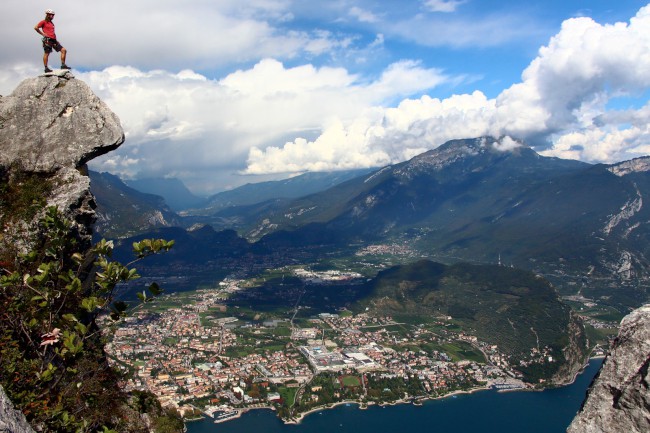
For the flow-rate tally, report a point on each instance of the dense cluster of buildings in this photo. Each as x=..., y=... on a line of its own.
x=387, y=249
x=190, y=354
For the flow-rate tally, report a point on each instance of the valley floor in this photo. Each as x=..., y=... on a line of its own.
x=200, y=355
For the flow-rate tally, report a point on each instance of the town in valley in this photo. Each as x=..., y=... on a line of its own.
x=203, y=356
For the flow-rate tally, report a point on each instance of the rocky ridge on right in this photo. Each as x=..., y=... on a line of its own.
x=619, y=398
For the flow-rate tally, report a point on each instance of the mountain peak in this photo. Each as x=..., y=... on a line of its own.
x=475, y=152
x=479, y=145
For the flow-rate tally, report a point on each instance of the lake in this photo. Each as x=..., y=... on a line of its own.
x=548, y=411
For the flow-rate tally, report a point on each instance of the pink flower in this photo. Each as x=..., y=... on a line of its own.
x=51, y=337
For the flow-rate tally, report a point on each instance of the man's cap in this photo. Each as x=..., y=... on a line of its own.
x=49, y=11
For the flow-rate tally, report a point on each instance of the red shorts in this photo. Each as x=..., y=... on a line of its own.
x=51, y=44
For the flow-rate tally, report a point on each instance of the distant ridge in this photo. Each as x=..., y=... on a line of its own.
x=174, y=191
x=122, y=211
x=294, y=187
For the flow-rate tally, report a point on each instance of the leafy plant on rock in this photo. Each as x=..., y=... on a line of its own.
x=52, y=362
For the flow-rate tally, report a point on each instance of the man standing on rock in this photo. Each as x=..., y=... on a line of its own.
x=45, y=28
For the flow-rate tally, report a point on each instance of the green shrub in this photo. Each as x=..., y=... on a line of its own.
x=52, y=362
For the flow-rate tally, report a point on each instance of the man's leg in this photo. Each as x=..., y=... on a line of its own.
x=47, y=49
x=63, y=54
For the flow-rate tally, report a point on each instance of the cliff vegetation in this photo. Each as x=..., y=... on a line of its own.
x=54, y=285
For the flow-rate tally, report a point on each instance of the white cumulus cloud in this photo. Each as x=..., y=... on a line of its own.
x=162, y=34
x=184, y=122
x=560, y=106
x=380, y=136
x=363, y=15
x=584, y=65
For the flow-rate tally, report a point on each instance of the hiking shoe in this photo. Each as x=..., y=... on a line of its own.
x=64, y=66
x=47, y=70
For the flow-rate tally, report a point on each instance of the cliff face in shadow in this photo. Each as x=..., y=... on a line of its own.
x=619, y=398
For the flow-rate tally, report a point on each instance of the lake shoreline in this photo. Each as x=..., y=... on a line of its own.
x=364, y=405
x=493, y=412
x=416, y=401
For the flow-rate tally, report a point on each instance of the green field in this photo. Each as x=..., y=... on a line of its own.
x=282, y=331
x=600, y=335
x=170, y=341
x=238, y=351
x=460, y=350
x=288, y=395
x=350, y=381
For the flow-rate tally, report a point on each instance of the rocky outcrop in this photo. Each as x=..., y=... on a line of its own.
x=619, y=398
x=636, y=165
x=575, y=353
x=50, y=127
x=11, y=420
x=53, y=123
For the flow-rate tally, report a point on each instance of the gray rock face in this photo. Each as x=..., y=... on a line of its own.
x=575, y=353
x=11, y=420
x=55, y=122
x=619, y=398
x=52, y=126
x=636, y=165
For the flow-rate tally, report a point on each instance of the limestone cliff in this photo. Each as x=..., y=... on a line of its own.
x=11, y=420
x=575, y=352
x=619, y=398
x=52, y=123
x=50, y=127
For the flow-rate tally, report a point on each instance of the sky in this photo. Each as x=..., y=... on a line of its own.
x=219, y=93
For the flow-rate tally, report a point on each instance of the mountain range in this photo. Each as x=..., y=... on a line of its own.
x=472, y=200
x=291, y=188
x=583, y=226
